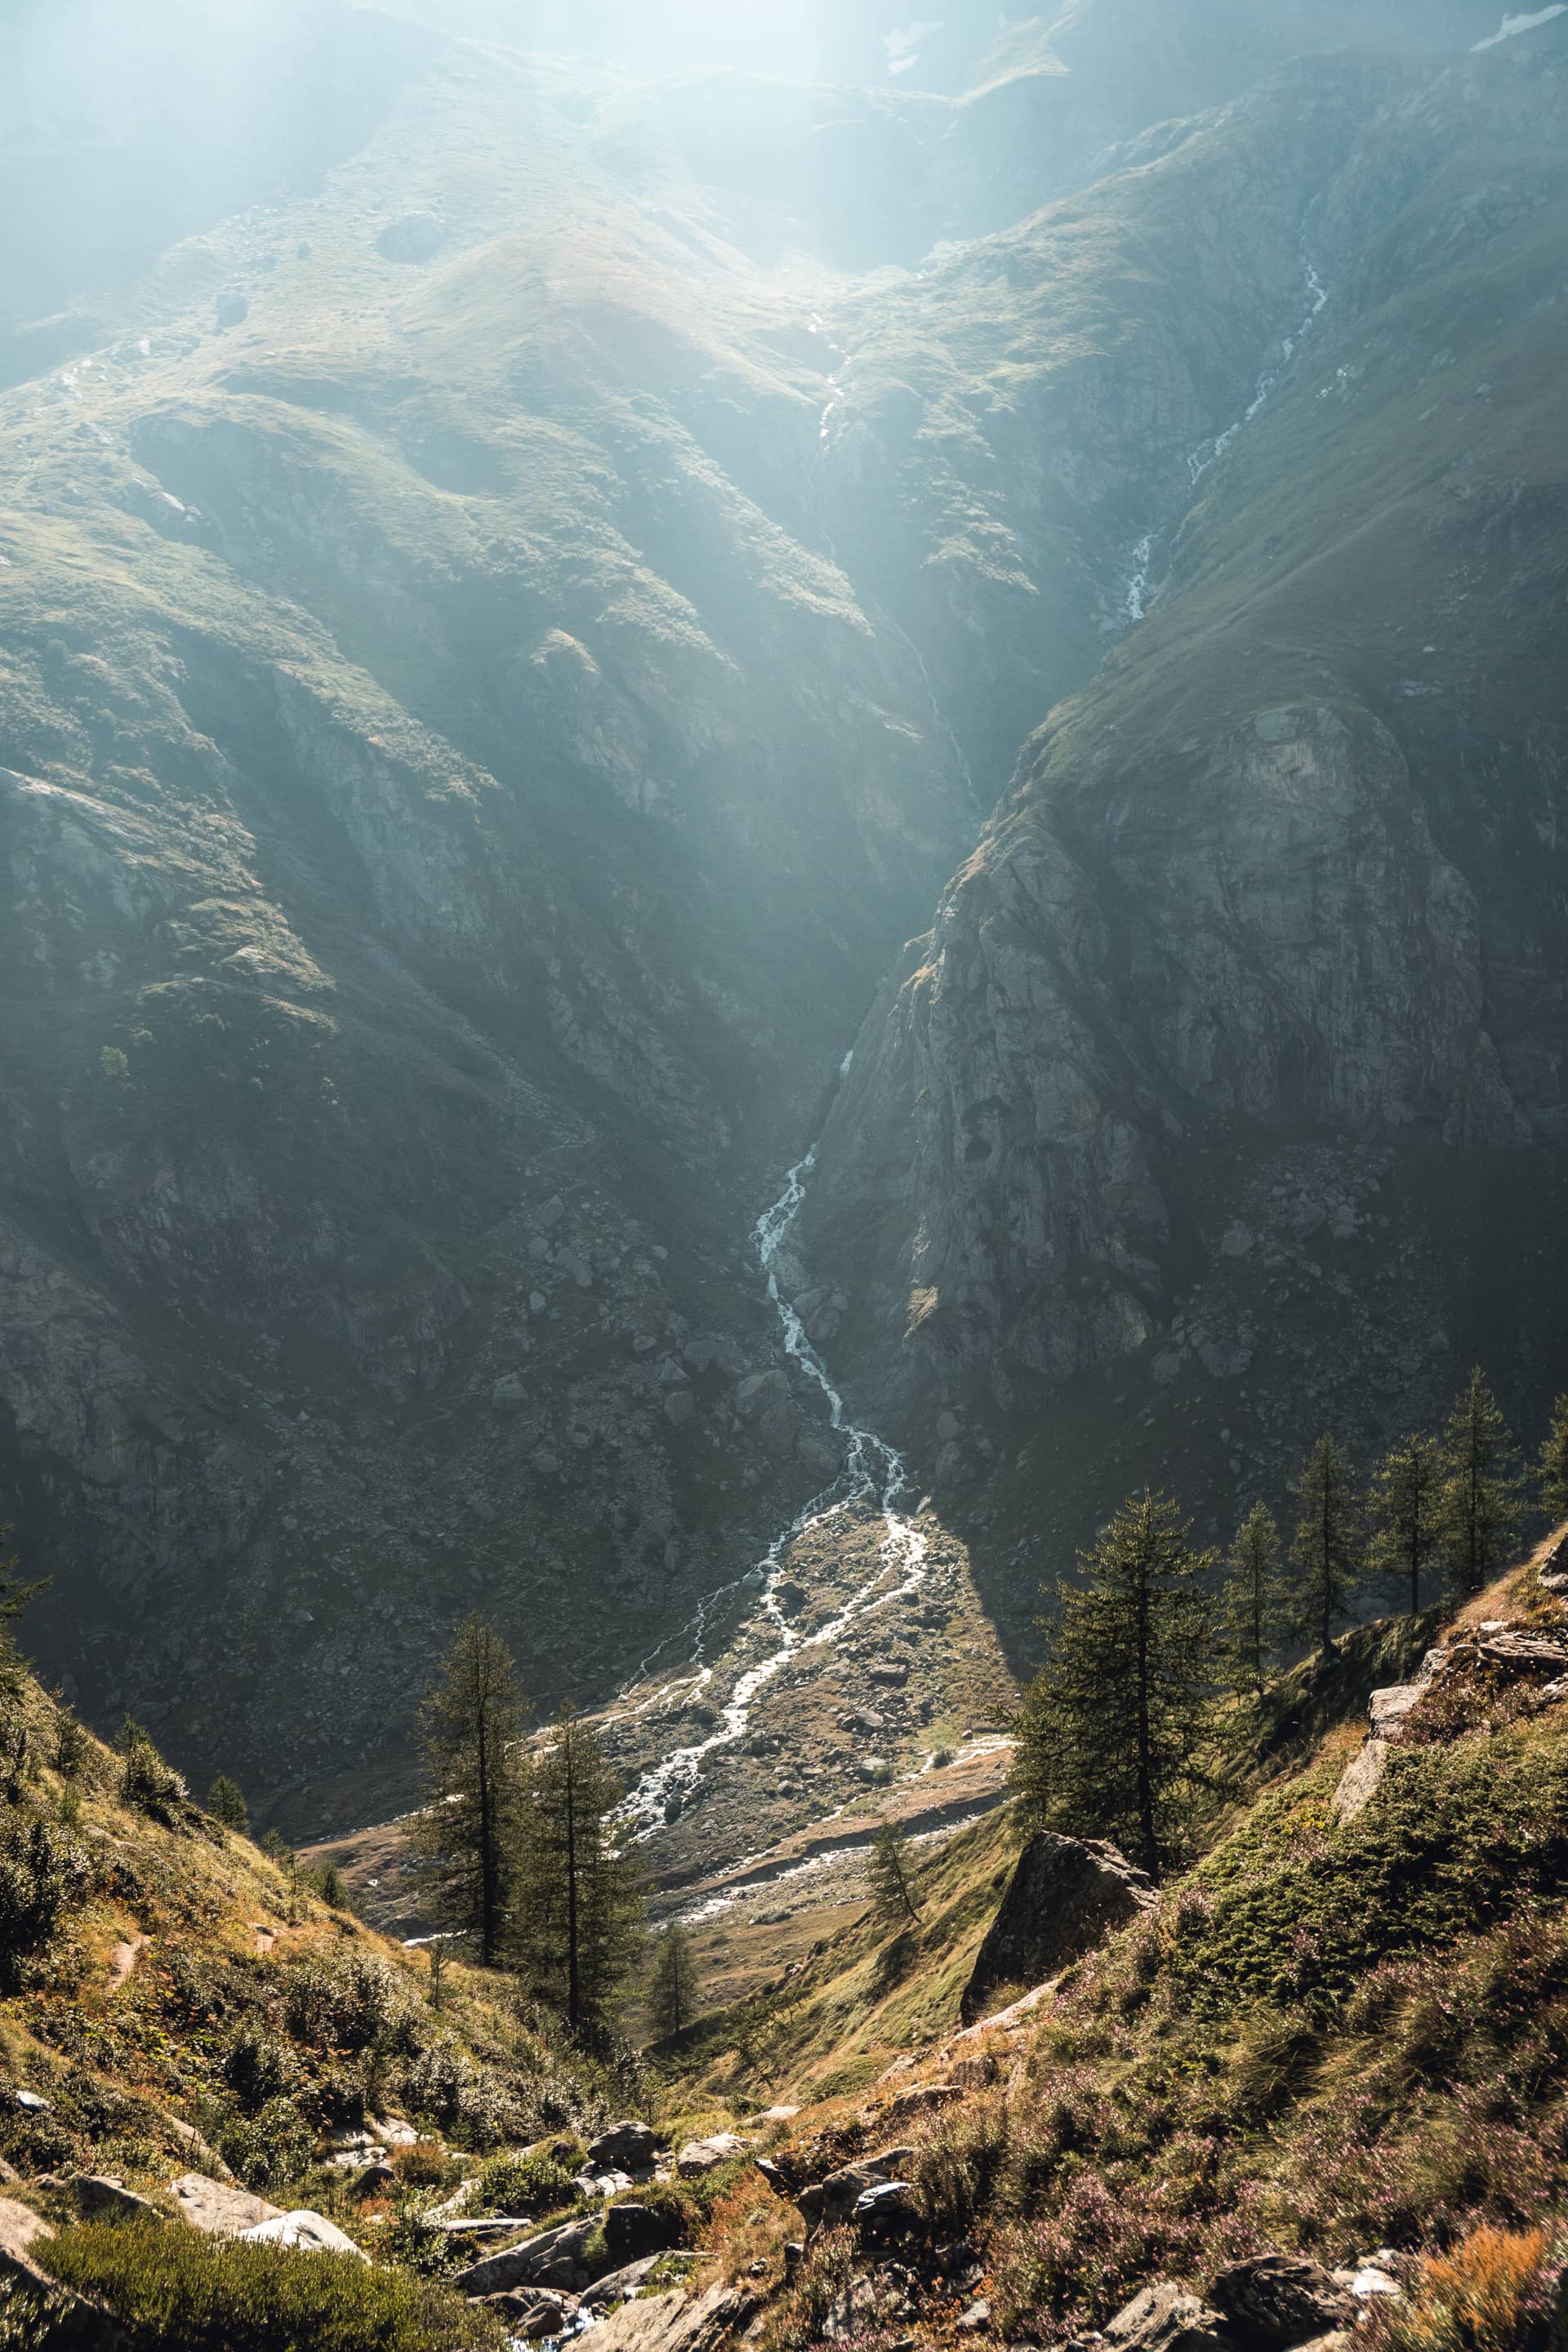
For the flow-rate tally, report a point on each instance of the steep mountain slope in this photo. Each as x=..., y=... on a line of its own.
x=1245, y=1017
x=504, y=638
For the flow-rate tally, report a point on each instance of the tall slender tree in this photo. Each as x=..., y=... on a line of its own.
x=891, y=1875
x=1323, y=1550
x=15, y=1595
x=1109, y=1731
x=578, y=1924
x=1255, y=1601
x=1479, y=1504
x=1403, y=1509
x=470, y=1731
x=1552, y=1471
x=674, y=1992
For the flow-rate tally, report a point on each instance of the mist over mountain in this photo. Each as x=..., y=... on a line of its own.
x=563, y=569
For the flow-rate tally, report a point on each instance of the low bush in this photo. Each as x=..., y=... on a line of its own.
x=1492, y=2294
x=42, y=1874
x=170, y=2286
x=524, y=2184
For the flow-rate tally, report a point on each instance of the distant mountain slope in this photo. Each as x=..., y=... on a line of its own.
x=1274, y=916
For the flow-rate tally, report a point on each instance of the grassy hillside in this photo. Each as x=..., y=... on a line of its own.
x=1328, y=2037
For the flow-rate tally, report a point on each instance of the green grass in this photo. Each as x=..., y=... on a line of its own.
x=171, y=2285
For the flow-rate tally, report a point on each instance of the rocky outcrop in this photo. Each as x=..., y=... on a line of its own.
x=1065, y=1896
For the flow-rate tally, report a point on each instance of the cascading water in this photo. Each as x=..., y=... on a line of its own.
x=1201, y=461
x=874, y=1477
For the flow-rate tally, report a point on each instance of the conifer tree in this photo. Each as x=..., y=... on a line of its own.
x=1478, y=1505
x=1403, y=1510
x=578, y=1918
x=226, y=1803
x=15, y=1595
x=1254, y=1603
x=673, y=1994
x=891, y=1875
x=1323, y=1550
x=1108, y=1731
x=1552, y=1470
x=470, y=1731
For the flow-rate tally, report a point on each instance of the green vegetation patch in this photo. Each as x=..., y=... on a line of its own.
x=172, y=2286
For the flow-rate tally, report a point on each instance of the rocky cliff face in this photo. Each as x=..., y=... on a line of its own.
x=1282, y=890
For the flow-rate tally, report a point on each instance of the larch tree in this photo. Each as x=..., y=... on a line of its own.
x=470, y=1733
x=674, y=1992
x=579, y=1917
x=1255, y=1601
x=1402, y=1510
x=226, y=1803
x=1552, y=1471
x=891, y=1875
x=1479, y=1503
x=1324, y=1554
x=1109, y=1732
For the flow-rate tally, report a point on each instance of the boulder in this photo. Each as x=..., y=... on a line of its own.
x=701, y=2155
x=670, y=2323
x=1065, y=1896
x=77, y=2321
x=531, y=2314
x=1360, y=1780
x=627, y=2147
x=842, y=2190
x=921, y=2098
x=633, y=2230
x=552, y=2257
x=616, y=2285
x=884, y=2214
x=102, y=2197
x=222, y=2210
x=307, y=2233
x=1165, y=2318
x=20, y=2229
x=1274, y=2301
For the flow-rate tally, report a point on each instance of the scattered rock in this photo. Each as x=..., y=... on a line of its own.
x=102, y=2197
x=552, y=2258
x=307, y=2232
x=978, y=2315
x=885, y=2212
x=921, y=2097
x=633, y=2230
x=617, y=2284
x=1165, y=2318
x=1274, y=2301
x=219, y=2209
x=231, y=310
x=842, y=2190
x=628, y=2147
x=701, y=2155
x=1065, y=1896
x=670, y=2323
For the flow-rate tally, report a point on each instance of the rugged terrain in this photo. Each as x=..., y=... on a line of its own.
x=523, y=576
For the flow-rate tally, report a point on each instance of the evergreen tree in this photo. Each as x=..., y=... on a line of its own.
x=1255, y=1608
x=1323, y=1551
x=470, y=1730
x=1402, y=1507
x=1108, y=1729
x=1552, y=1470
x=15, y=1595
x=226, y=1803
x=673, y=1994
x=1478, y=1504
x=890, y=1877
x=578, y=1919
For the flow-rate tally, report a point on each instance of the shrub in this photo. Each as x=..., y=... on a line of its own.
x=42, y=1874
x=1490, y=2295
x=172, y=2286
x=258, y=2068
x=348, y=2001
x=517, y=2184
x=146, y=1781
x=270, y=2149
